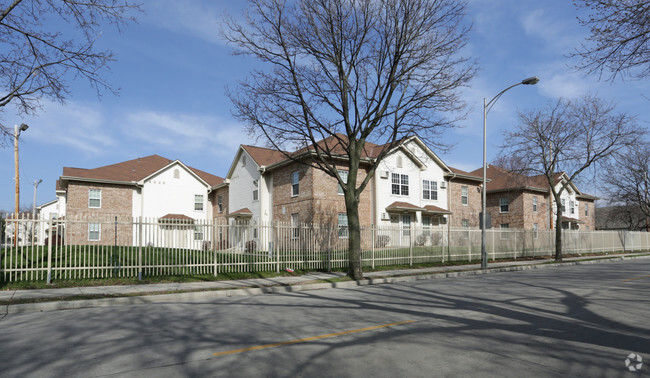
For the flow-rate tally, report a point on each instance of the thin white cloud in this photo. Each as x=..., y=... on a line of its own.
x=197, y=18
x=184, y=132
x=557, y=34
x=72, y=125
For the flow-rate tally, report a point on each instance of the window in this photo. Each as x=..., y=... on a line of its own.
x=255, y=190
x=535, y=228
x=586, y=209
x=343, y=225
x=220, y=203
x=400, y=184
x=535, y=204
x=295, y=226
x=406, y=224
x=198, y=233
x=177, y=173
x=430, y=190
x=464, y=195
x=94, y=198
x=94, y=233
x=504, y=204
x=344, y=177
x=399, y=162
x=426, y=226
x=198, y=202
x=572, y=209
x=295, y=184
x=504, y=231
x=243, y=160
x=465, y=224
x=563, y=203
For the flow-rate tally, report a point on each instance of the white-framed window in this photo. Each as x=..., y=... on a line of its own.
x=406, y=224
x=586, y=209
x=563, y=205
x=504, y=204
x=344, y=177
x=464, y=195
x=426, y=226
x=535, y=204
x=198, y=233
x=177, y=173
x=256, y=191
x=504, y=231
x=465, y=224
x=343, y=225
x=399, y=162
x=295, y=225
x=295, y=184
x=94, y=198
x=220, y=203
x=430, y=190
x=572, y=208
x=243, y=160
x=535, y=230
x=198, y=202
x=94, y=232
x=400, y=184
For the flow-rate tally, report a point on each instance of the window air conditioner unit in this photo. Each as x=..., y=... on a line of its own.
x=383, y=174
x=385, y=216
x=443, y=184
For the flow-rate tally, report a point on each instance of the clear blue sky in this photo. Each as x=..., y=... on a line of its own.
x=173, y=68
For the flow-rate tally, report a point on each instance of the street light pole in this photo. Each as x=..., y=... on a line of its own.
x=17, y=131
x=487, y=105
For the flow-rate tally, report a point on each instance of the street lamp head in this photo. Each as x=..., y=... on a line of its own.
x=530, y=81
x=23, y=127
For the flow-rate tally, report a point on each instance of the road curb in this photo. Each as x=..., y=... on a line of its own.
x=226, y=293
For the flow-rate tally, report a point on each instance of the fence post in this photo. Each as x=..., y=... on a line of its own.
x=411, y=244
x=277, y=247
x=515, y=249
x=49, y=250
x=140, y=226
x=372, y=235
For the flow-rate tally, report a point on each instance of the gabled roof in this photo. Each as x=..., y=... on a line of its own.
x=176, y=218
x=502, y=180
x=264, y=156
x=245, y=212
x=132, y=171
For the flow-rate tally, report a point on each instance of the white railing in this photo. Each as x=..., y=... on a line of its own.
x=115, y=246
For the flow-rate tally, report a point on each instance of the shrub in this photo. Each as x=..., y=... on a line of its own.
x=382, y=241
x=251, y=246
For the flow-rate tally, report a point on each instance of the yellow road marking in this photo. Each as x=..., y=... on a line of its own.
x=310, y=338
x=636, y=278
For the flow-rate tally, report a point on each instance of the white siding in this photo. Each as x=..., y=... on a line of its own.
x=241, y=187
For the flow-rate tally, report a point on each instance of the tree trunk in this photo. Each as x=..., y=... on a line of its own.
x=558, y=233
x=355, y=270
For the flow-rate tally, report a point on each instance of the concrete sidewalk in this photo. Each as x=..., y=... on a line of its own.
x=54, y=299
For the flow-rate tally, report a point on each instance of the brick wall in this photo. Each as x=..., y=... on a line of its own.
x=514, y=217
x=318, y=200
x=214, y=200
x=541, y=216
x=116, y=201
x=472, y=210
x=590, y=220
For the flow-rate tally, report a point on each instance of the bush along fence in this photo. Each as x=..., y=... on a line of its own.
x=119, y=246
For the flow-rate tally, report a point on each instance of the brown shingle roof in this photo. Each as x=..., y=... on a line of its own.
x=134, y=170
x=180, y=218
x=244, y=212
x=436, y=210
x=502, y=179
x=264, y=156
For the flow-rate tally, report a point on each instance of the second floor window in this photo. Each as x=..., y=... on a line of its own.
x=220, y=203
x=572, y=209
x=504, y=205
x=198, y=202
x=94, y=198
x=464, y=195
x=295, y=184
x=430, y=190
x=586, y=209
x=535, y=204
x=344, y=177
x=563, y=205
x=400, y=184
x=255, y=190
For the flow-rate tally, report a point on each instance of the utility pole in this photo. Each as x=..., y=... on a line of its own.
x=17, y=131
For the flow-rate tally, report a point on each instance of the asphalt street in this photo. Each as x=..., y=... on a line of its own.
x=581, y=321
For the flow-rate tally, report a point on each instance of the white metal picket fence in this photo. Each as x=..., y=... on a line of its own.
x=114, y=246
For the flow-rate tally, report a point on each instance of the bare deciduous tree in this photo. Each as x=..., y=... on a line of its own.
x=628, y=181
x=620, y=37
x=565, y=140
x=350, y=72
x=37, y=57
